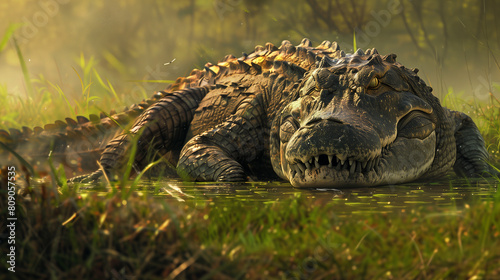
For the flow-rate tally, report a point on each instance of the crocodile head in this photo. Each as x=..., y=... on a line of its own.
x=359, y=120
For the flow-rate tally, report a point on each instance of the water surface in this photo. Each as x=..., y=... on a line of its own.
x=447, y=195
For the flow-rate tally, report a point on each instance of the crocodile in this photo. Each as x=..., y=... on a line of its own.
x=313, y=116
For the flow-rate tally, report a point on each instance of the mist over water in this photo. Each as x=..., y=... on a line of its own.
x=455, y=45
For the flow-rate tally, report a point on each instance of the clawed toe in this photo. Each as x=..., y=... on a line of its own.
x=87, y=178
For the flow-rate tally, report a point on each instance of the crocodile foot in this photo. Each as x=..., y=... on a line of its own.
x=91, y=178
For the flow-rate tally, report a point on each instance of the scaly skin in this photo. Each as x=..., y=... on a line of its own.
x=312, y=116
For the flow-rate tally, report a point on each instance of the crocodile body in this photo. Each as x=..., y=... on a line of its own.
x=313, y=116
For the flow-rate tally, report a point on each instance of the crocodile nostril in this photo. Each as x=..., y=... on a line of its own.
x=317, y=120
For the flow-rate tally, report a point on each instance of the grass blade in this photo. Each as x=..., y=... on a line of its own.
x=8, y=34
x=19, y=157
x=354, y=45
x=24, y=68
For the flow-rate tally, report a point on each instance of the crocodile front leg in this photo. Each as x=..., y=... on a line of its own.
x=157, y=130
x=472, y=155
x=218, y=154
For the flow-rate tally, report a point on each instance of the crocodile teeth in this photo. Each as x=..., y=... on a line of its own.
x=376, y=165
x=353, y=167
x=308, y=165
x=345, y=165
x=369, y=165
x=301, y=166
x=337, y=167
x=297, y=169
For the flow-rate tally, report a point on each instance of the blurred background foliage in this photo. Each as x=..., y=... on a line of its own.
x=98, y=48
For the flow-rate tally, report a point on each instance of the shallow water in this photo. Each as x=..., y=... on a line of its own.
x=447, y=195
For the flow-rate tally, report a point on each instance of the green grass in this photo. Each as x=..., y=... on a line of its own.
x=62, y=233
x=45, y=102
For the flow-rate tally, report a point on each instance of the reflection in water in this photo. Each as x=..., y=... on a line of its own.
x=436, y=197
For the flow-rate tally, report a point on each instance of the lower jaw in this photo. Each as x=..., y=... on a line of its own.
x=328, y=178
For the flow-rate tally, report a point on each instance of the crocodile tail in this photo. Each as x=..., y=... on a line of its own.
x=76, y=143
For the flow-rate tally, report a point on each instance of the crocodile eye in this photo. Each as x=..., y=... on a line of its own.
x=374, y=83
